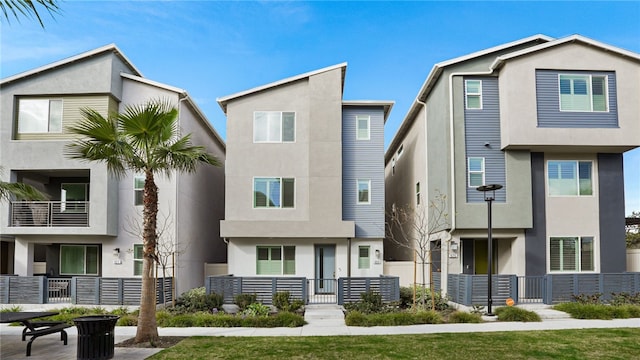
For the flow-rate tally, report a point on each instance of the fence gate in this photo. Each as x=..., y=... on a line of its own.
x=322, y=291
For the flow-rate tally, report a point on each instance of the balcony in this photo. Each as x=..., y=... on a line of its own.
x=49, y=213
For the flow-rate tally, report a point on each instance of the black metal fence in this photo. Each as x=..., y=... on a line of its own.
x=78, y=290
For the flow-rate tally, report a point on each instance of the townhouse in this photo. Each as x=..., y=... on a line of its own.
x=304, y=180
x=549, y=120
x=91, y=225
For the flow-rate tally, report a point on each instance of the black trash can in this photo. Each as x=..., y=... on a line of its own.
x=96, y=339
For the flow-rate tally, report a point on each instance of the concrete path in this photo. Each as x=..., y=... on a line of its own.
x=323, y=320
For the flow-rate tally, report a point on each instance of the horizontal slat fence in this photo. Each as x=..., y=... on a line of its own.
x=349, y=289
x=264, y=287
x=472, y=289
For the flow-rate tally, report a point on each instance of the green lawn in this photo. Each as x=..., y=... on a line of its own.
x=558, y=344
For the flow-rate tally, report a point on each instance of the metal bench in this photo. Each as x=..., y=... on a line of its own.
x=41, y=328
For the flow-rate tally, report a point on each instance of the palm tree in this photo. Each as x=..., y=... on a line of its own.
x=144, y=139
x=20, y=191
x=27, y=8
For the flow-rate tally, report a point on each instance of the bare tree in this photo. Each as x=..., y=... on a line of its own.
x=414, y=228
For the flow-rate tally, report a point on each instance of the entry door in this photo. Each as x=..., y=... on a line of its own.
x=325, y=269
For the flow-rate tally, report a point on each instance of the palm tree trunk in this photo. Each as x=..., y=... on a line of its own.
x=147, y=330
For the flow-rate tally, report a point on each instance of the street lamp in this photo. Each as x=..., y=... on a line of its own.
x=489, y=195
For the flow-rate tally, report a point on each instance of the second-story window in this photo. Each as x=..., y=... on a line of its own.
x=138, y=190
x=364, y=191
x=39, y=116
x=363, y=131
x=274, y=126
x=476, y=171
x=583, y=93
x=569, y=178
x=273, y=192
x=473, y=94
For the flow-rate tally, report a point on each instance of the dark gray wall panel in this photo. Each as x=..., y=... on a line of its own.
x=548, y=102
x=482, y=126
x=611, y=202
x=536, y=237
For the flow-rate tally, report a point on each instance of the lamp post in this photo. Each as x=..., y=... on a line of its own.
x=489, y=195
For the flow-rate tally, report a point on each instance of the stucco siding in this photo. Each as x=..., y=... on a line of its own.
x=363, y=159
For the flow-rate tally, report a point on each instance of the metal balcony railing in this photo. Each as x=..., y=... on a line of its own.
x=49, y=213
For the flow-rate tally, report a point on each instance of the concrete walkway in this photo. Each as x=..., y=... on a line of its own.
x=323, y=320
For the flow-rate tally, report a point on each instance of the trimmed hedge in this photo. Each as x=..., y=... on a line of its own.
x=283, y=319
x=510, y=313
x=356, y=318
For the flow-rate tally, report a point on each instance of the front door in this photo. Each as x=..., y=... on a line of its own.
x=325, y=269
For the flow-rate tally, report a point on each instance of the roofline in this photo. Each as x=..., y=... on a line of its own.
x=69, y=60
x=434, y=75
x=500, y=60
x=182, y=94
x=222, y=101
x=386, y=104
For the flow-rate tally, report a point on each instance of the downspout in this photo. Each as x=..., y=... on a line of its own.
x=426, y=186
x=348, y=257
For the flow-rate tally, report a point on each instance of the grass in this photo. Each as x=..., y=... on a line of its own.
x=558, y=344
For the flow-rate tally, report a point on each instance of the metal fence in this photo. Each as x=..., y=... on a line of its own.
x=472, y=289
x=350, y=289
x=78, y=290
x=322, y=291
x=49, y=213
x=265, y=288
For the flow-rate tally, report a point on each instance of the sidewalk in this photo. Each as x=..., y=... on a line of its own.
x=323, y=320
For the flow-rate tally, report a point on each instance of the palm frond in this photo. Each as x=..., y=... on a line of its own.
x=27, y=8
x=21, y=191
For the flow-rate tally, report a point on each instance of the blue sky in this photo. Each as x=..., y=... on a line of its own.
x=213, y=49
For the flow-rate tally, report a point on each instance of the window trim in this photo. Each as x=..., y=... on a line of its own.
x=362, y=259
x=85, y=259
x=368, y=119
x=467, y=94
x=48, y=131
x=135, y=190
x=281, y=119
x=368, y=181
x=282, y=258
x=469, y=171
x=577, y=177
x=281, y=181
x=589, y=92
x=578, y=255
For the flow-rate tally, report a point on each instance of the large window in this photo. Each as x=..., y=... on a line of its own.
x=274, y=126
x=273, y=193
x=364, y=191
x=572, y=254
x=73, y=197
x=40, y=116
x=276, y=260
x=583, y=93
x=363, y=131
x=476, y=171
x=138, y=190
x=79, y=259
x=473, y=94
x=569, y=178
x=364, y=258
x=138, y=253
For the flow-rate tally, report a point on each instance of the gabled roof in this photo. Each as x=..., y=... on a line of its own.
x=386, y=104
x=107, y=48
x=222, y=101
x=183, y=94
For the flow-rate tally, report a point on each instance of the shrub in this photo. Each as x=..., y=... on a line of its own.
x=196, y=300
x=441, y=303
x=282, y=301
x=244, y=300
x=510, y=313
x=256, y=309
x=587, y=298
x=625, y=298
x=370, y=303
x=205, y=319
x=14, y=308
x=585, y=311
x=459, y=317
x=406, y=297
x=127, y=320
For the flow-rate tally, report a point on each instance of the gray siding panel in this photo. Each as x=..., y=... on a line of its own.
x=536, y=237
x=483, y=126
x=611, y=203
x=363, y=159
x=548, y=102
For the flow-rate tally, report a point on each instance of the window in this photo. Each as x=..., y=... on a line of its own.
x=138, y=253
x=473, y=91
x=417, y=193
x=273, y=192
x=569, y=178
x=39, y=116
x=399, y=152
x=364, y=191
x=270, y=260
x=476, y=171
x=73, y=197
x=393, y=166
x=79, y=260
x=138, y=190
x=583, y=93
x=363, y=257
x=363, y=131
x=571, y=253
x=274, y=126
